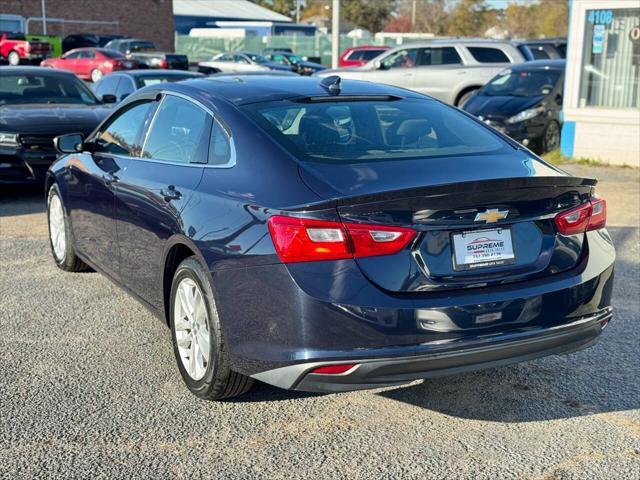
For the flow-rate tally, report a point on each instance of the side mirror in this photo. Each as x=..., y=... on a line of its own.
x=69, y=143
x=108, y=98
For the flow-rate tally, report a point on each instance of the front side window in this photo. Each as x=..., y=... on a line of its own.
x=122, y=135
x=611, y=59
x=488, y=55
x=178, y=133
x=107, y=85
x=405, y=58
x=125, y=88
x=372, y=130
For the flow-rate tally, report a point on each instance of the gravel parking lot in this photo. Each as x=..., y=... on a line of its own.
x=89, y=388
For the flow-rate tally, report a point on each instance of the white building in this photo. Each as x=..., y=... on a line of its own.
x=602, y=90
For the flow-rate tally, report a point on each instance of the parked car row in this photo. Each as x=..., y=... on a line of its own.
x=272, y=60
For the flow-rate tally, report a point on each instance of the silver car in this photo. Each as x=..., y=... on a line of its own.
x=449, y=70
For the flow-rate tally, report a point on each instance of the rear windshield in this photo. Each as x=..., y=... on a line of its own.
x=372, y=130
x=147, y=80
x=34, y=88
x=141, y=47
x=112, y=54
x=522, y=83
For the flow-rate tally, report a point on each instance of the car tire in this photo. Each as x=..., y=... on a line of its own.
x=96, y=75
x=464, y=98
x=550, y=137
x=195, y=329
x=13, y=58
x=60, y=239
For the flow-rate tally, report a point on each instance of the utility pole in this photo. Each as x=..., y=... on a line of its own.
x=335, y=33
x=44, y=16
x=413, y=15
x=297, y=11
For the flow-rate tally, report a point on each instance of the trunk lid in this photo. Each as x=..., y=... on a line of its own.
x=451, y=206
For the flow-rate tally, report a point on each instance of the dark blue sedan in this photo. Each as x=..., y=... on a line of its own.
x=327, y=236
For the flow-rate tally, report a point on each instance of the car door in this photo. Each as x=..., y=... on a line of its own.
x=91, y=187
x=69, y=61
x=437, y=72
x=154, y=188
x=242, y=64
x=396, y=68
x=83, y=63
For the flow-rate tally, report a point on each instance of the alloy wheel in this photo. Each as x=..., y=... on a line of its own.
x=96, y=75
x=57, y=228
x=14, y=59
x=191, y=325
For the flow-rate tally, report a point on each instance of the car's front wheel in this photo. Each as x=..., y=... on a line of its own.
x=200, y=351
x=60, y=238
x=551, y=137
x=96, y=75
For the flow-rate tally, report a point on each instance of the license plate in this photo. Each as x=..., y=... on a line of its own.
x=482, y=248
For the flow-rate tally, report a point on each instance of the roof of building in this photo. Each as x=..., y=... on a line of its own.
x=227, y=9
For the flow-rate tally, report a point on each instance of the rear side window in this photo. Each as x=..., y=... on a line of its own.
x=439, y=56
x=369, y=54
x=488, y=55
x=373, y=130
x=122, y=134
x=178, y=133
x=219, y=146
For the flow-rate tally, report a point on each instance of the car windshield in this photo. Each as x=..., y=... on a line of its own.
x=159, y=78
x=353, y=131
x=37, y=88
x=141, y=47
x=522, y=83
x=256, y=57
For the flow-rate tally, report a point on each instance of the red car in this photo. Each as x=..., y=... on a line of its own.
x=356, y=56
x=91, y=63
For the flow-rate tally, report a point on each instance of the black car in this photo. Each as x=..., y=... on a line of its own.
x=36, y=105
x=524, y=102
x=84, y=40
x=115, y=87
x=296, y=62
x=321, y=235
x=543, y=49
x=145, y=52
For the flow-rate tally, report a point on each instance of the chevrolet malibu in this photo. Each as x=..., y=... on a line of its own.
x=326, y=236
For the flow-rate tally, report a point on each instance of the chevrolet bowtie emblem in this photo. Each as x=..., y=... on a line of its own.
x=491, y=215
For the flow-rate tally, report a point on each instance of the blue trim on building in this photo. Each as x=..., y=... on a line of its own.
x=567, y=139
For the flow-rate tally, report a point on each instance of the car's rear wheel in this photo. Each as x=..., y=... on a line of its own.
x=200, y=351
x=13, y=58
x=60, y=238
x=96, y=75
x=551, y=137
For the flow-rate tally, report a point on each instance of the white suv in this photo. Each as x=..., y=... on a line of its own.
x=449, y=70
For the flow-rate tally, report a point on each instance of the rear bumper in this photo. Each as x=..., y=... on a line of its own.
x=438, y=360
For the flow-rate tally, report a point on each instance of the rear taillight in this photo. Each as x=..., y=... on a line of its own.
x=163, y=63
x=115, y=64
x=588, y=216
x=307, y=240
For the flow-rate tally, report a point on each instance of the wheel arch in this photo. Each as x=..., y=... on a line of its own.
x=464, y=91
x=177, y=249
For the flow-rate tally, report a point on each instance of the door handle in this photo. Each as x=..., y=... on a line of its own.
x=110, y=179
x=170, y=194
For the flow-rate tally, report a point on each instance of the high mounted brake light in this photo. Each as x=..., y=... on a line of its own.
x=583, y=218
x=306, y=240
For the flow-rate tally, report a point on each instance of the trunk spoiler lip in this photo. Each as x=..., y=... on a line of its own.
x=451, y=189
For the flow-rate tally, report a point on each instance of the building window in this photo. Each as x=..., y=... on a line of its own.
x=611, y=59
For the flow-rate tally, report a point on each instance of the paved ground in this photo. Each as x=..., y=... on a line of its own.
x=89, y=388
